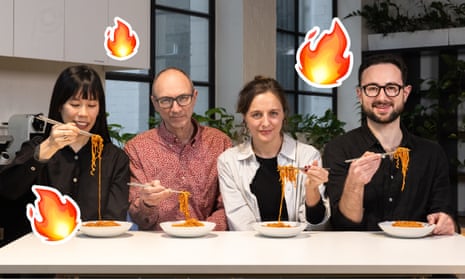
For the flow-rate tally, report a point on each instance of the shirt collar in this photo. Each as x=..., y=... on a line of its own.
x=171, y=138
x=373, y=141
x=288, y=148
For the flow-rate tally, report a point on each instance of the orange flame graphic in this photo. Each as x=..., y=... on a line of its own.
x=121, y=42
x=326, y=61
x=54, y=218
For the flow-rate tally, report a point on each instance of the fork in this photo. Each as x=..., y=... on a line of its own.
x=383, y=155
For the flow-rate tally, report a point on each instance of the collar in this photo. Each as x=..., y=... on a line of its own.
x=169, y=137
x=373, y=141
x=288, y=148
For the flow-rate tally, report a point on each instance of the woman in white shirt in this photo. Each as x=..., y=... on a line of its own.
x=248, y=173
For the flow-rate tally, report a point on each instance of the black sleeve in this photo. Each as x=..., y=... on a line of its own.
x=315, y=214
x=17, y=177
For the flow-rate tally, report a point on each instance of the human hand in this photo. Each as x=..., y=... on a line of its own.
x=63, y=135
x=444, y=223
x=361, y=171
x=152, y=195
x=316, y=176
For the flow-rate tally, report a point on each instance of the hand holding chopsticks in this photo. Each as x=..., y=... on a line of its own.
x=148, y=185
x=54, y=122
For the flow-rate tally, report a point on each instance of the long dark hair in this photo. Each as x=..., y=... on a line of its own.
x=84, y=82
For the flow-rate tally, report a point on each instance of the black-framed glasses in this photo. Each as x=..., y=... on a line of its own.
x=167, y=102
x=390, y=89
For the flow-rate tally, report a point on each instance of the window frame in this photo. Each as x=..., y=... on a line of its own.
x=295, y=92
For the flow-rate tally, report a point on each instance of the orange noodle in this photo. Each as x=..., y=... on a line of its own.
x=286, y=173
x=183, y=197
x=97, y=149
x=410, y=224
x=401, y=155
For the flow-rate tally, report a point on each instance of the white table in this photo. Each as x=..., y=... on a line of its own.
x=245, y=253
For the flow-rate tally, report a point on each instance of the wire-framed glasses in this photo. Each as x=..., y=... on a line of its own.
x=167, y=102
x=390, y=89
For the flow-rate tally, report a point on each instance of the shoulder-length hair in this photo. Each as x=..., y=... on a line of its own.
x=83, y=82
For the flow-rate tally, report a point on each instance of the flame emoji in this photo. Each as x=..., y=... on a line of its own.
x=121, y=42
x=326, y=61
x=54, y=218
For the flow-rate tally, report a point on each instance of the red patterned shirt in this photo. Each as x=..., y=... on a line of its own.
x=158, y=155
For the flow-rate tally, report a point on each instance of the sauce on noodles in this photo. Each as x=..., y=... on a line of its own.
x=97, y=148
x=410, y=224
x=101, y=224
x=286, y=173
x=183, y=197
x=401, y=155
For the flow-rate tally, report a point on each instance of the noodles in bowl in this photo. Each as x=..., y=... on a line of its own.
x=279, y=229
x=105, y=228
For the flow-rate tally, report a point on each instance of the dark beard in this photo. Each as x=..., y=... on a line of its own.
x=393, y=116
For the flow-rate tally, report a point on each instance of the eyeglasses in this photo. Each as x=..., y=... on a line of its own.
x=167, y=102
x=390, y=89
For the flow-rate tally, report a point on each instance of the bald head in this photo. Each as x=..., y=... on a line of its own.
x=172, y=80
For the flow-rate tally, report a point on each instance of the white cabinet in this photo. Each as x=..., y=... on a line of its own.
x=86, y=22
x=72, y=30
x=6, y=27
x=137, y=14
x=39, y=29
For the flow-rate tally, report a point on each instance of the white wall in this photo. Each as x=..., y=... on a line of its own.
x=245, y=46
x=26, y=85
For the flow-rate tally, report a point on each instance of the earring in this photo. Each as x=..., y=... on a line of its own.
x=244, y=133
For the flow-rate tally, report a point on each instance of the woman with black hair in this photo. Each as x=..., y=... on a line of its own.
x=62, y=157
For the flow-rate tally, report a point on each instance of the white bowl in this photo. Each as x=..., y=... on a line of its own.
x=406, y=232
x=294, y=229
x=105, y=231
x=168, y=228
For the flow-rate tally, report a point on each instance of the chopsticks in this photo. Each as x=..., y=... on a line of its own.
x=148, y=185
x=383, y=155
x=54, y=122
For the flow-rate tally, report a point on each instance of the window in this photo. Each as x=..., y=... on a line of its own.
x=294, y=19
x=182, y=36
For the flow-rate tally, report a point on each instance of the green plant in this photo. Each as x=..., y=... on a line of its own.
x=386, y=16
x=435, y=117
x=219, y=118
x=315, y=130
x=119, y=138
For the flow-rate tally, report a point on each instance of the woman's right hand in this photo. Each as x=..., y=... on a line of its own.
x=60, y=136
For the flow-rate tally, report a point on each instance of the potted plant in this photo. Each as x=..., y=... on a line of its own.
x=437, y=24
x=315, y=130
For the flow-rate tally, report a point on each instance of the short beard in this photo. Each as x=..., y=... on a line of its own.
x=393, y=116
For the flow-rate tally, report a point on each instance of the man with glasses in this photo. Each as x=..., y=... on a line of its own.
x=179, y=155
x=370, y=189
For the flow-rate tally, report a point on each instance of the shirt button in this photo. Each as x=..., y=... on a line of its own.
x=75, y=180
x=392, y=177
x=76, y=157
x=390, y=199
x=33, y=168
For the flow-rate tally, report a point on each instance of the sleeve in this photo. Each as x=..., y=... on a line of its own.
x=118, y=201
x=441, y=196
x=218, y=215
x=17, y=177
x=319, y=214
x=238, y=212
x=333, y=158
x=144, y=216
